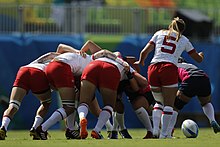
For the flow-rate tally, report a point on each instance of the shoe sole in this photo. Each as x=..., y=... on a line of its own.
x=83, y=129
x=2, y=135
x=35, y=136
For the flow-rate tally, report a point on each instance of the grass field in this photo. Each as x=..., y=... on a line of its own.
x=206, y=138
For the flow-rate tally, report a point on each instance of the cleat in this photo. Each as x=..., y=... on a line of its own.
x=215, y=126
x=2, y=133
x=149, y=135
x=124, y=134
x=83, y=128
x=72, y=134
x=42, y=134
x=34, y=134
x=109, y=134
x=156, y=133
x=96, y=135
x=114, y=135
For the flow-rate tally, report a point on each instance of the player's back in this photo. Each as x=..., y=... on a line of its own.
x=167, y=48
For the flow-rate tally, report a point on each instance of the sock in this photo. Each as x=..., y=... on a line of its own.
x=103, y=118
x=70, y=120
x=144, y=118
x=115, y=122
x=57, y=116
x=156, y=116
x=82, y=110
x=5, y=122
x=172, y=123
x=165, y=119
x=209, y=112
x=37, y=121
x=120, y=120
x=108, y=125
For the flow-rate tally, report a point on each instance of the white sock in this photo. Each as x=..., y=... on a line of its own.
x=115, y=122
x=165, y=119
x=144, y=118
x=5, y=122
x=70, y=120
x=156, y=117
x=209, y=112
x=37, y=121
x=120, y=119
x=108, y=125
x=82, y=110
x=103, y=118
x=57, y=116
x=172, y=123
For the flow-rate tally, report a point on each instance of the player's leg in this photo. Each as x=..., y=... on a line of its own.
x=87, y=92
x=140, y=105
x=17, y=95
x=109, y=98
x=169, y=94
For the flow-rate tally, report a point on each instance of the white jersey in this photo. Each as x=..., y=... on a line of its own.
x=119, y=66
x=42, y=61
x=75, y=61
x=169, y=50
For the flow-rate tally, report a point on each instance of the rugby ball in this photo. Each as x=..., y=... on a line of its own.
x=189, y=128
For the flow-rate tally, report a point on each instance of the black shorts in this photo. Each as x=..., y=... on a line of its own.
x=196, y=86
x=133, y=95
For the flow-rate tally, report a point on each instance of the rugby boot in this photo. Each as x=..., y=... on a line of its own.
x=72, y=134
x=96, y=135
x=215, y=126
x=83, y=128
x=34, y=134
x=2, y=133
x=124, y=134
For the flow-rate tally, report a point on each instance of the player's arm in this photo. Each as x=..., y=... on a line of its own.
x=63, y=48
x=198, y=57
x=90, y=46
x=46, y=57
x=141, y=80
x=144, y=53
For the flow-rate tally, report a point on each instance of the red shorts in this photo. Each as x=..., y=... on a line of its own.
x=162, y=74
x=102, y=74
x=59, y=74
x=33, y=79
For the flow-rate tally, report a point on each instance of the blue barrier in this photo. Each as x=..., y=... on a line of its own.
x=16, y=51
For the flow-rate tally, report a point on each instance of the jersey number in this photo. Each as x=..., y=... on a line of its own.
x=168, y=44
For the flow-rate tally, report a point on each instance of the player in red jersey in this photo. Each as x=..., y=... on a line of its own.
x=163, y=72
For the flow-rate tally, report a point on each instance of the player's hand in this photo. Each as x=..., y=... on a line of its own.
x=201, y=54
x=83, y=54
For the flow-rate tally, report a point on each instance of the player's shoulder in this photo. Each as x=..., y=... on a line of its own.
x=162, y=31
x=184, y=38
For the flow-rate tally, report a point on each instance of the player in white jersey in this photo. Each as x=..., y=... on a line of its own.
x=61, y=74
x=103, y=74
x=29, y=77
x=168, y=45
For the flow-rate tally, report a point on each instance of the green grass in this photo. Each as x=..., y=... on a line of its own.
x=22, y=139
